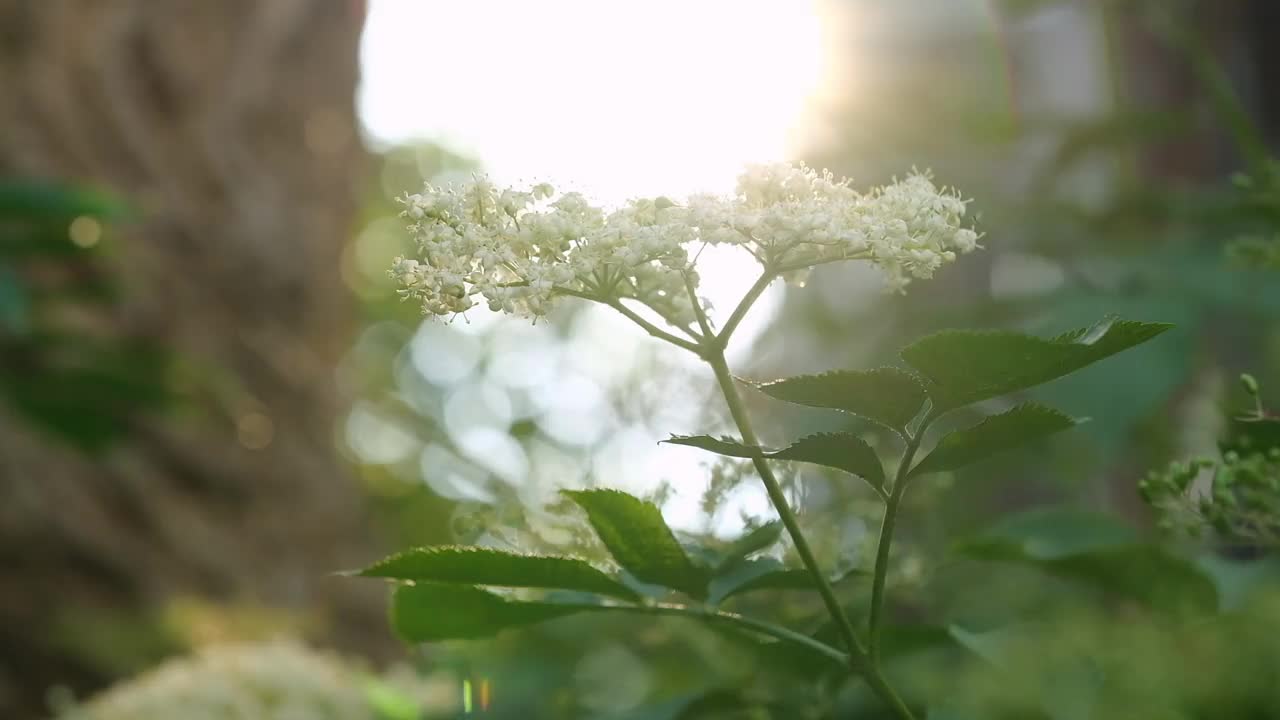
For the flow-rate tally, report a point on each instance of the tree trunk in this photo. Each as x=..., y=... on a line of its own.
x=230, y=126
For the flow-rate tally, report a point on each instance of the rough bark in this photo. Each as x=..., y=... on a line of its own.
x=230, y=124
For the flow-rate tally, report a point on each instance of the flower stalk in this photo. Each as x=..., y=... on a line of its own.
x=520, y=251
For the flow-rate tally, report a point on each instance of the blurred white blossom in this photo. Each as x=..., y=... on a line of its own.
x=518, y=251
x=279, y=680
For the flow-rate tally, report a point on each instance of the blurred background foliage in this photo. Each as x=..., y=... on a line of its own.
x=292, y=417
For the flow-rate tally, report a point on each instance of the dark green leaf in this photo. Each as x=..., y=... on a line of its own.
x=640, y=540
x=1252, y=433
x=889, y=396
x=428, y=612
x=486, y=566
x=753, y=542
x=1101, y=552
x=760, y=574
x=692, y=706
x=1050, y=533
x=1008, y=430
x=1146, y=573
x=720, y=446
x=765, y=574
x=843, y=451
x=963, y=367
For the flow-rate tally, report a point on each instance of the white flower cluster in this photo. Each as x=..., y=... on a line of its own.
x=794, y=218
x=519, y=250
x=274, y=681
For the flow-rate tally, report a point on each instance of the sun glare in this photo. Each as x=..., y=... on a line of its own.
x=611, y=99
x=614, y=99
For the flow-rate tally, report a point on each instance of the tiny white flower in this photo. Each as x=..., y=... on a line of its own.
x=478, y=240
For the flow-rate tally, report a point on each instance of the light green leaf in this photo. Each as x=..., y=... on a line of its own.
x=640, y=540
x=753, y=542
x=963, y=366
x=486, y=566
x=427, y=612
x=991, y=646
x=1008, y=430
x=889, y=396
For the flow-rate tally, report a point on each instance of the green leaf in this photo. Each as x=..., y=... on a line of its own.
x=1050, y=533
x=427, y=612
x=753, y=542
x=842, y=451
x=1098, y=551
x=640, y=540
x=964, y=366
x=486, y=566
x=713, y=703
x=991, y=646
x=430, y=612
x=889, y=396
x=765, y=574
x=760, y=574
x=1146, y=573
x=720, y=446
x=997, y=433
x=1251, y=433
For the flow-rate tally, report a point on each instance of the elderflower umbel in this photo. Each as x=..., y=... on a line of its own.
x=518, y=251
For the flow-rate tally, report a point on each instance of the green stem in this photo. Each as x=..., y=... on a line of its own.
x=744, y=305
x=711, y=350
x=779, y=499
x=654, y=330
x=886, y=692
x=759, y=626
x=876, y=621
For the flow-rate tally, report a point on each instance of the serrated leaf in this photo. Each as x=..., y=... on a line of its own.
x=962, y=366
x=889, y=396
x=640, y=540
x=843, y=451
x=487, y=566
x=428, y=612
x=720, y=446
x=997, y=433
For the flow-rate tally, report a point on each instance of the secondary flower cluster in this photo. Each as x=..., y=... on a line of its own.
x=273, y=680
x=518, y=251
